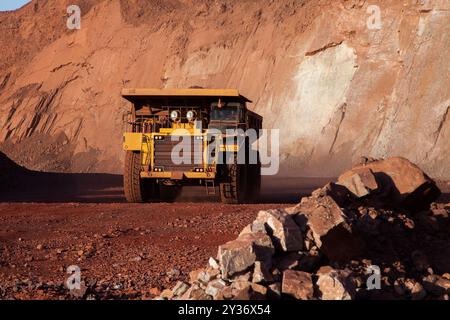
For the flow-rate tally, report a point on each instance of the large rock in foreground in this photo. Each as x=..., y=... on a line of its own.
x=398, y=182
x=285, y=234
x=360, y=183
x=329, y=228
x=238, y=255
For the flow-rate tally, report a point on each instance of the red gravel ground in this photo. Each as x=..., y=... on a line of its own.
x=49, y=222
x=127, y=247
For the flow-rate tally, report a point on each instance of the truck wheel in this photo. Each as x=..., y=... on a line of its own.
x=254, y=180
x=254, y=183
x=234, y=191
x=137, y=190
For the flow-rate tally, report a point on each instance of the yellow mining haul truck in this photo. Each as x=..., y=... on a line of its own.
x=179, y=137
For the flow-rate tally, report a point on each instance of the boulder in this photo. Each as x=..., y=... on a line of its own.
x=436, y=285
x=297, y=284
x=285, y=233
x=332, y=234
x=360, y=182
x=238, y=255
x=335, y=284
x=416, y=290
x=241, y=290
x=400, y=183
x=409, y=288
x=338, y=193
x=254, y=227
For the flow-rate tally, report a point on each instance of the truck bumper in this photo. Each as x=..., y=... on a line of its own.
x=178, y=175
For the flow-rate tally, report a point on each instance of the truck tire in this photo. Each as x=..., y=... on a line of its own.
x=137, y=190
x=254, y=183
x=234, y=191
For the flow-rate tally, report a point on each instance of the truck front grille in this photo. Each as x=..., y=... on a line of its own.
x=192, y=153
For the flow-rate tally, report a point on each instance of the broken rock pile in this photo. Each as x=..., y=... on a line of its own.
x=375, y=234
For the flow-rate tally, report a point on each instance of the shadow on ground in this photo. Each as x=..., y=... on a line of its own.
x=63, y=187
x=18, y=184
x=42, y=187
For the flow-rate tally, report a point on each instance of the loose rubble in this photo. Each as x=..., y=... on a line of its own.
x=364, y=237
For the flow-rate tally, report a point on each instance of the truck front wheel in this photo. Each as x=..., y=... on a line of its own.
x=254, y=179
x=137, y=190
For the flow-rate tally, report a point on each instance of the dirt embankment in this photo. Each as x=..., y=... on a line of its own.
x=335, y=88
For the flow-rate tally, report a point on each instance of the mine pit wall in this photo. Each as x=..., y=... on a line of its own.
x=335, y=89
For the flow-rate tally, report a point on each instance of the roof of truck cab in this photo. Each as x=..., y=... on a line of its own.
x=133, y=93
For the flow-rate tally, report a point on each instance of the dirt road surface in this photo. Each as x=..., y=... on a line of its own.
x=49, y=222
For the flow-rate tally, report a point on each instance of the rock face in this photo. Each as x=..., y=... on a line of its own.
x=322, y=250
x=356, y=90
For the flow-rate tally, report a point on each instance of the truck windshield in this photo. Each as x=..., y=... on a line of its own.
x=225, y=114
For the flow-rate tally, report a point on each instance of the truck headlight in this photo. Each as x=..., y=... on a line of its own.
x=191, y=115
x=175, y=116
